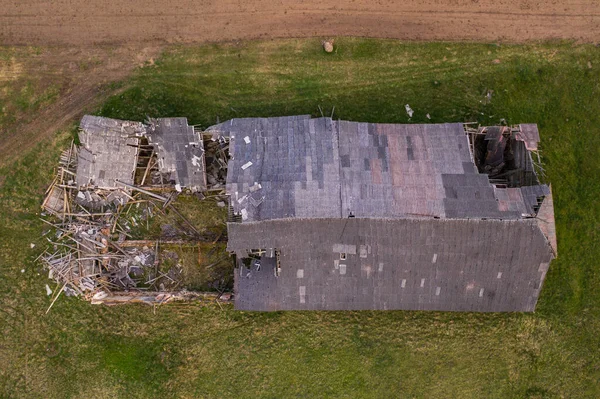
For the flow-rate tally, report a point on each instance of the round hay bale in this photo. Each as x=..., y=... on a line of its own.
x=328, y=46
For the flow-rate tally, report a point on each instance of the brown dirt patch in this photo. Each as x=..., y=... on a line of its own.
x=118, y=21
x=82, y=77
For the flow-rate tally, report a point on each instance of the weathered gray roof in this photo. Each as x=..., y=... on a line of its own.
x=283, y=167
x=180, y=151
x=108, y=151
x=429, y=231
x=318, y=168
x=419, y=264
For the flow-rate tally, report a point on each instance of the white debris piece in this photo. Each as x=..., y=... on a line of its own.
x=22, y=270
x=409, y=110
x=247, y=139
x=80, y=195
x=328, y=46
x=255, y=187
x=32, y=245
x=221, y=204
x=48, y=290
x=178, y=187
x=246, y=165
x=244, y=214
x=99, y=295
x=302, y=292
x=196, y=160
x=428, y=116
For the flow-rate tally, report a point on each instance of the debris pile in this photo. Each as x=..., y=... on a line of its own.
x=57, y=194
x=217, y=156
x=93, y=230
x=89, y=252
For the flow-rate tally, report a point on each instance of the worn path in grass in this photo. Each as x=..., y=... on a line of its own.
x=189, y=350
x=43, y=90
x=118, y=21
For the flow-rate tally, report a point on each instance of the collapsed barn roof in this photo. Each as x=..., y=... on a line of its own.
x=315, y=168
x=110, y=148
x=108, y=151
x=180, y=151
x=297, y=183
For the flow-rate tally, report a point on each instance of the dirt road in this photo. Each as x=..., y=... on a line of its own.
x=84, y=22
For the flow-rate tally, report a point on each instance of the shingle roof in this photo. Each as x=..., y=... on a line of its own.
x=180, y=151
x=419, y=264
x=429, y=231
x=283, y=167
x=108, y=151
x=314, y=168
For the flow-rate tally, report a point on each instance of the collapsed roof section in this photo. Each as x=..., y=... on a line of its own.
x=298, y=167
x=110, y=149
x=180, y=151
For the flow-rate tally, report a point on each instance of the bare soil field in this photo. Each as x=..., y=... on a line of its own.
x=81, y=22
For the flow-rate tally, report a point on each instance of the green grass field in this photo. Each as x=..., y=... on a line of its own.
x=194, y=350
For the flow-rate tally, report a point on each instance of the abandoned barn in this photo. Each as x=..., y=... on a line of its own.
x=337, y=215
x=323, y=214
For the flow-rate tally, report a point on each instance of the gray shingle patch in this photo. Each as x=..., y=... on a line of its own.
x=469, y=252
x=345, y=161
x=322, y=168
x=108, y=151
x=180, y=151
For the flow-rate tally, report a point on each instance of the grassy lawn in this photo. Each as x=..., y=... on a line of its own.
x=21, y=93
x=194, y=350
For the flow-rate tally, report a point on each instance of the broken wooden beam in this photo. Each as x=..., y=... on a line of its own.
x=157, y=298
x=141, y=190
